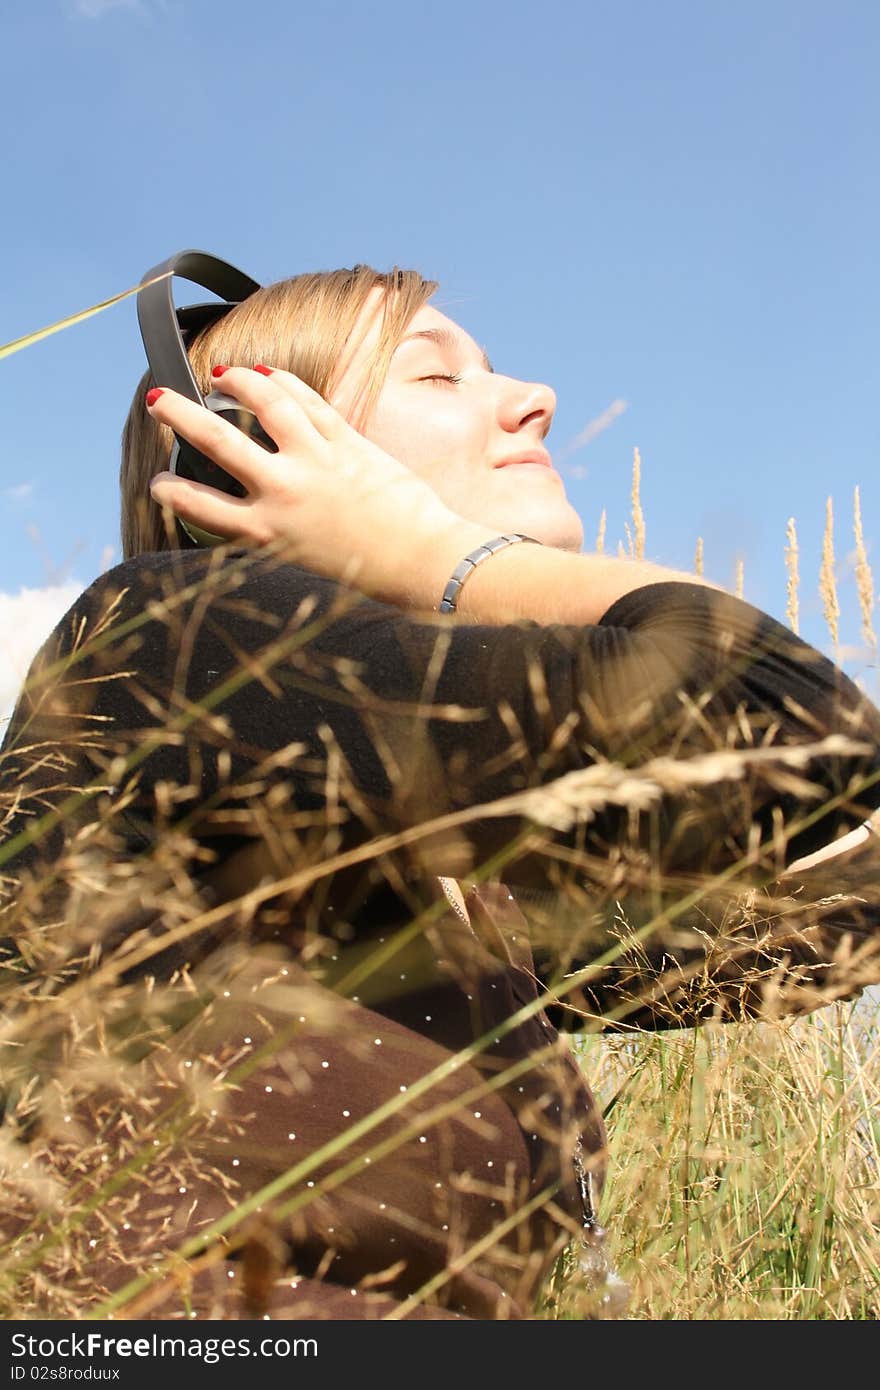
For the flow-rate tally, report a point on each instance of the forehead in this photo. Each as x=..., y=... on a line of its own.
x=429, y=317
x=361, y=346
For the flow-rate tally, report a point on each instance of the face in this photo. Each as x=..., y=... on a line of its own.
x=476, y=436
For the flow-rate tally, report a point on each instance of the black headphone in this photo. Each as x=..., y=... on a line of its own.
x=166, y=334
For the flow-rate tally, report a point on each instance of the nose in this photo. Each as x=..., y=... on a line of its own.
x=524, y=403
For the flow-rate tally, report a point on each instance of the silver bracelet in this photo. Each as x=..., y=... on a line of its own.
x=469, y=564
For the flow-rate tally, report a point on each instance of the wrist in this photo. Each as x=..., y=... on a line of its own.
x=478, y=556
x=434, y=551
x=544, y=585
x=541, y=583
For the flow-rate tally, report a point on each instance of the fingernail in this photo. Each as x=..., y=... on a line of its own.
x=218, y=371
x=264, y=371
x=153, y=395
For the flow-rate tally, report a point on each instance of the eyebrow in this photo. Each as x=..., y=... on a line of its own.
x=444, y=338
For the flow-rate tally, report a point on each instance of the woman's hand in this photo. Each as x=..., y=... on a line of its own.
x=840, y=850
x=340, y=505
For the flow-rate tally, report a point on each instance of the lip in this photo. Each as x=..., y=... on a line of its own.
x=538, y=456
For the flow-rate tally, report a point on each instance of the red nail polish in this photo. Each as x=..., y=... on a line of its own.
x=218, y=371
x=264, y=371
x=153, y=395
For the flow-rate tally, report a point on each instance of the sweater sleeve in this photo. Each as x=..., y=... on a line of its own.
x=208, y=688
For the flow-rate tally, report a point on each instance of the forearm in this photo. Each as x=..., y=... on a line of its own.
x=534, y=582
x=784, y=965
x=809, y=939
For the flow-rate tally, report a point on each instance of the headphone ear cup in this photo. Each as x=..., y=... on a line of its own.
x=244, y=420
x=187, y=462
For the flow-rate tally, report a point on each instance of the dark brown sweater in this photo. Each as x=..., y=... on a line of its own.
x=202, y=734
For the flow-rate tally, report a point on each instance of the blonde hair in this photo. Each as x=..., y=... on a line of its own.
x=303, y=325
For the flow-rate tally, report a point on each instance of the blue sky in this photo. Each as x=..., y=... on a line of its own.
x=669, y=205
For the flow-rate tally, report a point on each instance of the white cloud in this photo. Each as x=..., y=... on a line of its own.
x=594, y=428
x=18, y=492
x=26, y=619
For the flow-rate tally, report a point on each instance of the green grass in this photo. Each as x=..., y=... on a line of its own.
x=745, y=1169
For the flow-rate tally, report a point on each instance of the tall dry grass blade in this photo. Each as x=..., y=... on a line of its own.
x=864, y=577
x=638, y=516
x=792, y=607
x=698, y=556
x=827, y=582
x=740, y=578
x=28, y=340
x=600, y=537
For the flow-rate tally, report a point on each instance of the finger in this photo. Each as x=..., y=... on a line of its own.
x=205, y=507
x=832, y=851
x=213, y=436
x=324, y=417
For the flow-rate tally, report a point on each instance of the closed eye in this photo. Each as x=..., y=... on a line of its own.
x=443, y=376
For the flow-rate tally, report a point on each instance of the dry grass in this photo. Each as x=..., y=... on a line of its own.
x=792, y=607
x=744, y=1176
x=828, y=579
x=864, y=579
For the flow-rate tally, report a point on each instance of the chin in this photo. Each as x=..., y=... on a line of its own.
x=562, y=536
x=554, y=523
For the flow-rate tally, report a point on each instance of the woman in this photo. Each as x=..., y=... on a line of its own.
x=281, y=745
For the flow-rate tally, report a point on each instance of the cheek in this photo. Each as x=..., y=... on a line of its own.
x=425, y=434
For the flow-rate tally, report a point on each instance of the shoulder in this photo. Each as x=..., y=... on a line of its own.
x=158, y=570
x=165, y=582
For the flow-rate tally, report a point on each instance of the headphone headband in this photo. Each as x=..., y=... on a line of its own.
x=166, y=333
x=160, y=323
